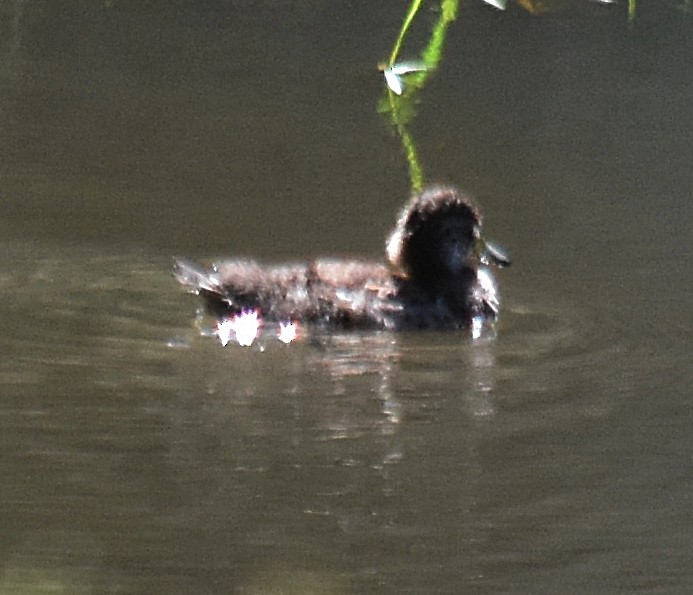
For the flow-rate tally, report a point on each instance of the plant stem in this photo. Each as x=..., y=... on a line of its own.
x=402, y=107
x=413, y=9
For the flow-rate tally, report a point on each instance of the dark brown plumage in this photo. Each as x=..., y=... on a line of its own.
x=436, y=276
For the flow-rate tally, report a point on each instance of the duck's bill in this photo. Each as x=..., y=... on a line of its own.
x=490, y=253
x=497, y=255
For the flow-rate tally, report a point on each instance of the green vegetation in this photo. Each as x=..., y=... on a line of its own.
x=406, y=80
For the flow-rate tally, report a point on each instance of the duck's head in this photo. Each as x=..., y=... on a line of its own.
x=438, y=240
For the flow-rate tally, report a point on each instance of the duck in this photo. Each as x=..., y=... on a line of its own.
x=436, y=276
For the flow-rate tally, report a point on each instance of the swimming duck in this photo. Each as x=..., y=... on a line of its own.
x=437, y=276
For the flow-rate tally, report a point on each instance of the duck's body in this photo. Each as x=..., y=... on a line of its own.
x=350, y=294
x=435, y=279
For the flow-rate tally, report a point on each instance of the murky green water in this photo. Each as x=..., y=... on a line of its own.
x=141, y=457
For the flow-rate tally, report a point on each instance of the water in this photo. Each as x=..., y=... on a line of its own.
x=141, y=457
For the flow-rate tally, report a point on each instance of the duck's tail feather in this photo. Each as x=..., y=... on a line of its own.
x=205, y=283
x=194, y=276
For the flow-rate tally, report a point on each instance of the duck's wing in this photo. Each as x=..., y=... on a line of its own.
x=233, y=286
x=353, y=294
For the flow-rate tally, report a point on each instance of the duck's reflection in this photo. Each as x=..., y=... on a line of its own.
x=337, y=441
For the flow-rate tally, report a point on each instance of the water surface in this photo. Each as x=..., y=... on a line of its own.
x=140, y=456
